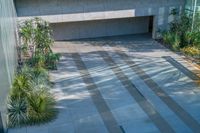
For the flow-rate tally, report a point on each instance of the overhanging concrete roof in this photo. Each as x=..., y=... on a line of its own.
x=89, y=16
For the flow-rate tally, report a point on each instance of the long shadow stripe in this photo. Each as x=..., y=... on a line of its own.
x=173, y=105
x=103, y=109
x=148, y=108
x=180, y=67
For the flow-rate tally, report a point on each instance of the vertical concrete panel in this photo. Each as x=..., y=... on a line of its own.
x=170, y=17
x=161, y=13
x=7, y=51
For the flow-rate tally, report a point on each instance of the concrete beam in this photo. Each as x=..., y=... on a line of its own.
x=88, y=16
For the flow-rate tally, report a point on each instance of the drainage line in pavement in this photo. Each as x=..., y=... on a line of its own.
x=103, y=109
x=156, y=118
x=180, y=67
x=173, y=105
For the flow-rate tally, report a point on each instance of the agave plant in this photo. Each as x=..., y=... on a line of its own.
x=41, y=106
x=21, y=86
x=17, y=112
x=35, y=73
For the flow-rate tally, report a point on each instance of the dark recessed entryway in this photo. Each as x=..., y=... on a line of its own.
x=102, y=28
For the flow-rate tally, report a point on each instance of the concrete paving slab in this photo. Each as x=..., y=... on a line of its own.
x=116, y=84
x=160, y=106
x=80, y=107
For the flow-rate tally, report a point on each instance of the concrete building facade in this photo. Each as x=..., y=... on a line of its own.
x=75, y=19
x=8, y=58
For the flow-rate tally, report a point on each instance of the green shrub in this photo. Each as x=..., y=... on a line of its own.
x=181, y=33
x=21, y=86
x=176, y=42
x=17, y=111
x=167, y=37
x=172, y=40
x=195, y=39
x=192, y=51
x=36, y=36
x=51, y=60
x=41, y=106
x=35, y=72
x=30, y=101
x=37, y=61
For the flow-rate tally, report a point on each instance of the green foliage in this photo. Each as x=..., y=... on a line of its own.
x=191, y=51
x=182, y=35
x=171, y=39
x=26, y=31
x=21, y=86
x=43, y=39
x=41, y=106
x=35, y=73
x=30, y=101
x=196, y=22
x=51, y=60
x=37, y=61
x=180, y=27
x=36, y=36
x=17, y=112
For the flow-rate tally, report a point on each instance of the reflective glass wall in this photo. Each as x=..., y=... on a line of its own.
x=8, y=54
x=192, y=8
x=193, y=5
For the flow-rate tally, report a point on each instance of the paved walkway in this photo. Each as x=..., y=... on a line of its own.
x=125, y=84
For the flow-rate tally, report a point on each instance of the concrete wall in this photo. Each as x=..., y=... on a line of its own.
x=7, y=52
x=60, y=11
x=100, y=28
x=52, y=7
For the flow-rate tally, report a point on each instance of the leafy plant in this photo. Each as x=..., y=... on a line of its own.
x=17, y=111
x=51, y=60
x=182, y=35
x=36, y=36
x=43, y=39
x=192, y=51
x=35, y=73
x=21, y=86
x=30, y=101
x=172, y=40
x=180, y=27
x=41, y=106
x=26, y=30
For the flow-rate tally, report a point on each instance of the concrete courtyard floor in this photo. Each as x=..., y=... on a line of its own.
x=124, y=84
